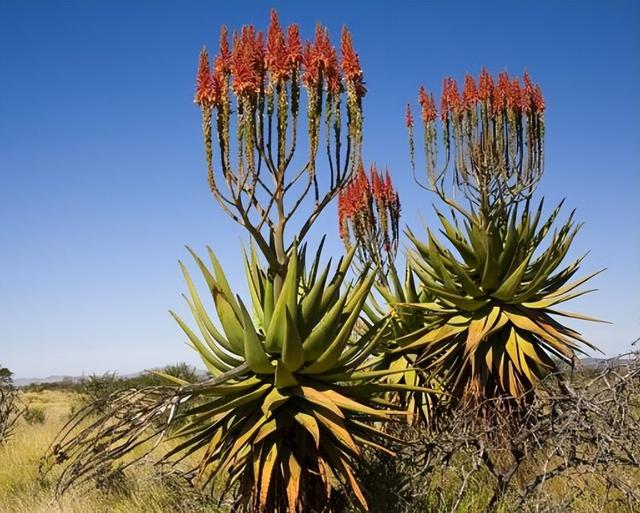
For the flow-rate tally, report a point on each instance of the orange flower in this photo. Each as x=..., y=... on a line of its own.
x=247, y=62
x=311, y=73
x=409, y=117
x=205, y=95
x=451, y=100
x=327, y=57
x=501, y=92
x=538, y=99
x=485, y=85
x=224, y=55
x=514, y=98
x=276, y=56
x=350, y=60
x=294, y=46
x=427, y=106
x=470, y=94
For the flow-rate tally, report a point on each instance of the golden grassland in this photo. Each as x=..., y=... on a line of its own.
x=24, y=490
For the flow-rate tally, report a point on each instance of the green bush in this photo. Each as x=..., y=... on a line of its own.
x=34, y=415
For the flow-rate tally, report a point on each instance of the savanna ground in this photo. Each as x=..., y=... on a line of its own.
x=24, y=490
x=394, y=486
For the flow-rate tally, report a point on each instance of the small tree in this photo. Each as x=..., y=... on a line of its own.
x=9, y=408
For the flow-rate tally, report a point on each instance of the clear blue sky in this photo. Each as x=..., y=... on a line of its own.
x=102, y=178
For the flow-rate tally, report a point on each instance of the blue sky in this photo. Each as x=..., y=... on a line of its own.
x=102, y=178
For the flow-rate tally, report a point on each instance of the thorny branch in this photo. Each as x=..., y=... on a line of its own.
x=581, y=432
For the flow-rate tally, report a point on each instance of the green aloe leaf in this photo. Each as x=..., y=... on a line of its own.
x=254, y=353
x=292, y=350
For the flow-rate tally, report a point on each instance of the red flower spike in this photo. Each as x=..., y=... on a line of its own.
x=485, y=85
x=350, y=60
x=409, y=117
x=538, y=99
x=377, y=185
x=310, y=63
x=294, y=46
x=428, y=106
x=225, y=55
x=247, y=61
x=501, y=92
x=527, y=93
x=514, y=98
x=276, y=57
x=204, y=83
x=390, y=192
x=326, y=56
x=451, y=100
x=332, y=72
x=470, y=94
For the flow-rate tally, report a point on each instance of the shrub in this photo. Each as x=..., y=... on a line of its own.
x=34, y=415
x=9, y=404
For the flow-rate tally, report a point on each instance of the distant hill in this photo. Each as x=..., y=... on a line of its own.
x=23, y=382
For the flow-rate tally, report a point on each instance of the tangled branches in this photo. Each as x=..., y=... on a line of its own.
x=9, y=405
x=575, y=448
x=113, y=433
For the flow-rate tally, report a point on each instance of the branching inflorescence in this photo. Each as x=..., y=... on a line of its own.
x=369, y=216
x=262, y=81
x=492, y=135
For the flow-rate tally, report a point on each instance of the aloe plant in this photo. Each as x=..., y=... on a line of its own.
x=300, y=406
x=492, y=327
x=389, y=301
x=493, y=321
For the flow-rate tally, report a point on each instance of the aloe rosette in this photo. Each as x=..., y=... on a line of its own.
x=388, y=301
x=493, y=328
x=298, y=406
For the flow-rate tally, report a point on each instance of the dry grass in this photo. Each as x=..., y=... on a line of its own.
x=24, y=490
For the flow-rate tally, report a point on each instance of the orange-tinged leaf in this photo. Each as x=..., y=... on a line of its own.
x=341, y=463
x=310, y=424
x=314, y=396
x=336, y=427
x=293, y=482
x=433, y=337
x=265, y=430
x=265, y=475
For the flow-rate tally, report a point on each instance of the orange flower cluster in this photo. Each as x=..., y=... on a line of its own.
x=485, y=86
x=509, y=93
x=470, y=93
x=260, y=79
x=427, y=106
x=450, y=100
x=321, y=59
x=351, y=64
x=210, y=85
x=205, y=95
x=493, y=132
x=408, y=117
x=247, y=62
x=277, y=54
x=369, y=210
x=281, y=56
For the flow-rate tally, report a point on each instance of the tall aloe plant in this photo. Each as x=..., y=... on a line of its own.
x=301, y=408
x=292, y=399
x=496, y=279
